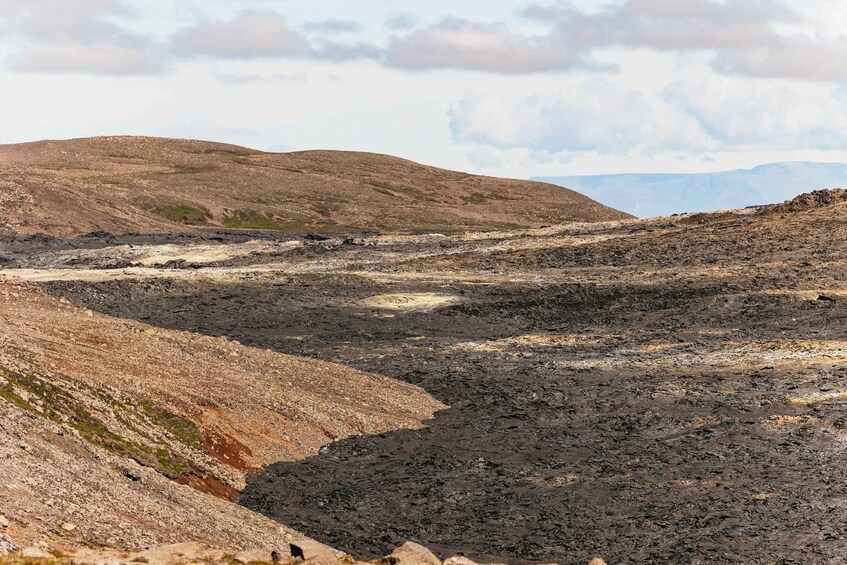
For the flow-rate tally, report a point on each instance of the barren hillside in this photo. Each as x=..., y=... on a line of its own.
x=94, y=410
x=136, y=184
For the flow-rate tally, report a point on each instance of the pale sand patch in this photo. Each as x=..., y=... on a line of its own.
x=88, y=275
x=453, y=277
x=557, y=480
x=815, y=398
x=739, y=354
x=532, y=340
x=141, y=273
x=410, y=301
x=807, y=294
x=558, y=229
x=150, y=255
x=781, y=422
x=664, y=346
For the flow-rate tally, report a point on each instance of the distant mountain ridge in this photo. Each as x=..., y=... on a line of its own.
x=648, y=195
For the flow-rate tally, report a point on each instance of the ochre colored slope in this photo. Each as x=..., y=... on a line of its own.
x=218, y=409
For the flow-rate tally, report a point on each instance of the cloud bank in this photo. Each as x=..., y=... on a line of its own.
x=715, y=114
x=549, y=82
x=77, y=37
x=744, y=37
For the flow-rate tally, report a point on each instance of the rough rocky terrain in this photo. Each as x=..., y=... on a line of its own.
x=143, y=185
x=665, y=390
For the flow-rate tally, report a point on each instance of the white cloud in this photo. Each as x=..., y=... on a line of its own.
x=712, y=115
x=674, y=25
x=256, y=34
x=251, y=34
x=398, y=22
x=82, y=37
x=798, y=57
x=744, y=35
x=747, y=37
x=743, y=114
x=339, y=52
x=237, y=78
x=717, y=12
x=574, y=35
x=595, y=117
x=334, y=25
x=456, y=44
x=103, y=58
x=832, y=21
x=817, y=56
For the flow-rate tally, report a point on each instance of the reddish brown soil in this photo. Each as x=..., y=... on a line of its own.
x=228, y=450
x=209, y=485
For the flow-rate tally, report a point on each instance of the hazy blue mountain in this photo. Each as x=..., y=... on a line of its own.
x=647, y=195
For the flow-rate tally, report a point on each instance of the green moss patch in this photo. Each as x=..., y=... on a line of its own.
x=249, y=219
x=181, y=429
x=184, y=214
x=161, y=427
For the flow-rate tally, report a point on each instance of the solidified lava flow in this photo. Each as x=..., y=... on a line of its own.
x=656, y=391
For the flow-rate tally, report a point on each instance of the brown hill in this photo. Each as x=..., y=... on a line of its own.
x=138, y=184
x=95, y=410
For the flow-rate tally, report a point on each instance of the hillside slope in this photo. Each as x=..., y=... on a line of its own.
x=136, y=184
x=95, y=410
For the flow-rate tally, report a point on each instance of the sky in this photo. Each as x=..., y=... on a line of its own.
x=508, y=88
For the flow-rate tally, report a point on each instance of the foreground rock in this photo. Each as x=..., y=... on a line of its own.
x=185, y=553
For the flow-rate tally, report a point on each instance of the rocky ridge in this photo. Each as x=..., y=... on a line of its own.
x=810, y=201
